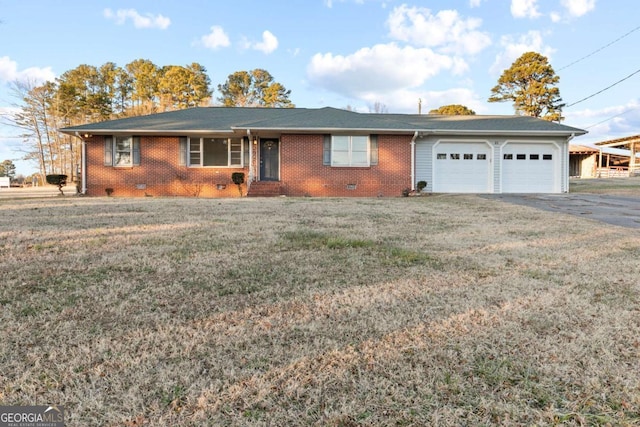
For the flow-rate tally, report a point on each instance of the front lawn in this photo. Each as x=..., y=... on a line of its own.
x=440, y=310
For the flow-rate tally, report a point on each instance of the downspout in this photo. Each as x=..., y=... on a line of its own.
x=83, y=164
x=251, y=173
x=568, y=159
x=413, y=161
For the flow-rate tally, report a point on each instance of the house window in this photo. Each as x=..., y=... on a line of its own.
x=121, y=151
x=547, y=157
x=454, y=156
x=534, y=157
x=468, y=156
x=216, y=152
x=481, y=157
x=442, y=156
x=123, y=148
x=508, y=156
x=350, y=151
x=521, y=156
x=194, y=151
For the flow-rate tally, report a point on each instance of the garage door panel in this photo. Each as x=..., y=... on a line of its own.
x=462, y=167
x=529, y=168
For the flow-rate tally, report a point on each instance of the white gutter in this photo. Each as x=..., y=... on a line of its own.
x=413, y=161
x=83, y=164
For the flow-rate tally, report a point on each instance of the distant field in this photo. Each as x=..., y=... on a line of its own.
x=440, y=310
x=619, y=186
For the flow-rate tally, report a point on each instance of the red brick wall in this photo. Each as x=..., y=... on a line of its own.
x=159, y=173
x=301, y=171
x=303, y=174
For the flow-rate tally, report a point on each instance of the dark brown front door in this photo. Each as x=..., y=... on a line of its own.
x=269, y=160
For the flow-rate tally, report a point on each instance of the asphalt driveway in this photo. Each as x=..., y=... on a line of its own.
x=611, y=209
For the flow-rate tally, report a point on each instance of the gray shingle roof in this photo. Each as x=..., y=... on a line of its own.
x=230, y=119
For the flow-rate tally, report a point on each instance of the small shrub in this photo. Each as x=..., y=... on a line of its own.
x=421, y=185
x=59, y=180
x=109, y=191
x=238, y=179
x=406, y=192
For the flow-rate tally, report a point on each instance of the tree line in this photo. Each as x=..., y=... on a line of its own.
x=89, y=94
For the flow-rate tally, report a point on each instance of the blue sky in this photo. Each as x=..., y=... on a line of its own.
x=342, y=53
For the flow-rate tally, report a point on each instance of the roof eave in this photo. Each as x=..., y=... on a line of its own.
x=323, y=130
x=146, y=132
x=502, y=132
x=421, y=131
x=236, y=129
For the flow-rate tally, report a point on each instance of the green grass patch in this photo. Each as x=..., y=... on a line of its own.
x=308, y=239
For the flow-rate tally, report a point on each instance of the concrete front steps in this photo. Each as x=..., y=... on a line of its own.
x=265, y=189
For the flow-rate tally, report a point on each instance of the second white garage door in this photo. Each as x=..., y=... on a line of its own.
x=461, y=167
x=530, y=168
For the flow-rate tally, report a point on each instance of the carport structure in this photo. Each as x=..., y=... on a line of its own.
x=631, y=143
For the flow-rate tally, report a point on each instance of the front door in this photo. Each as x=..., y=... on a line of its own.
x=269, y=160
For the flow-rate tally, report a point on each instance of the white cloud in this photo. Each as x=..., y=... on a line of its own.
x=474, y=3
x=577, y=8
x=525, y=9
x=139, y=21
x=606, y=123
x=555, y=17
x=268, y=44
x=370, y=73
x=573, y=9
x=9, y=72
x=447, y=30
x=216, y=39
x=513, y=48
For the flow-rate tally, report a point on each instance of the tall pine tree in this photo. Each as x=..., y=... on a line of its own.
x=531, y=84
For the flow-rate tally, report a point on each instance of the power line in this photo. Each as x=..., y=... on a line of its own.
x=612, y=117
x=605, y=89
x=602, y=48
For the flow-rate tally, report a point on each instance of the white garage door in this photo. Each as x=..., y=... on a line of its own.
x=461, y=167
x=530, y=168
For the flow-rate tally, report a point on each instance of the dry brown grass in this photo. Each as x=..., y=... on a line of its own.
x=617, y=186
x=443, y=310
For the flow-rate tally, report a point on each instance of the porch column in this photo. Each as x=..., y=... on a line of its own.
x=632, y=159
x=599, y=174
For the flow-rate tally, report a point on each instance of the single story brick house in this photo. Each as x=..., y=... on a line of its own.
x=321, y=152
